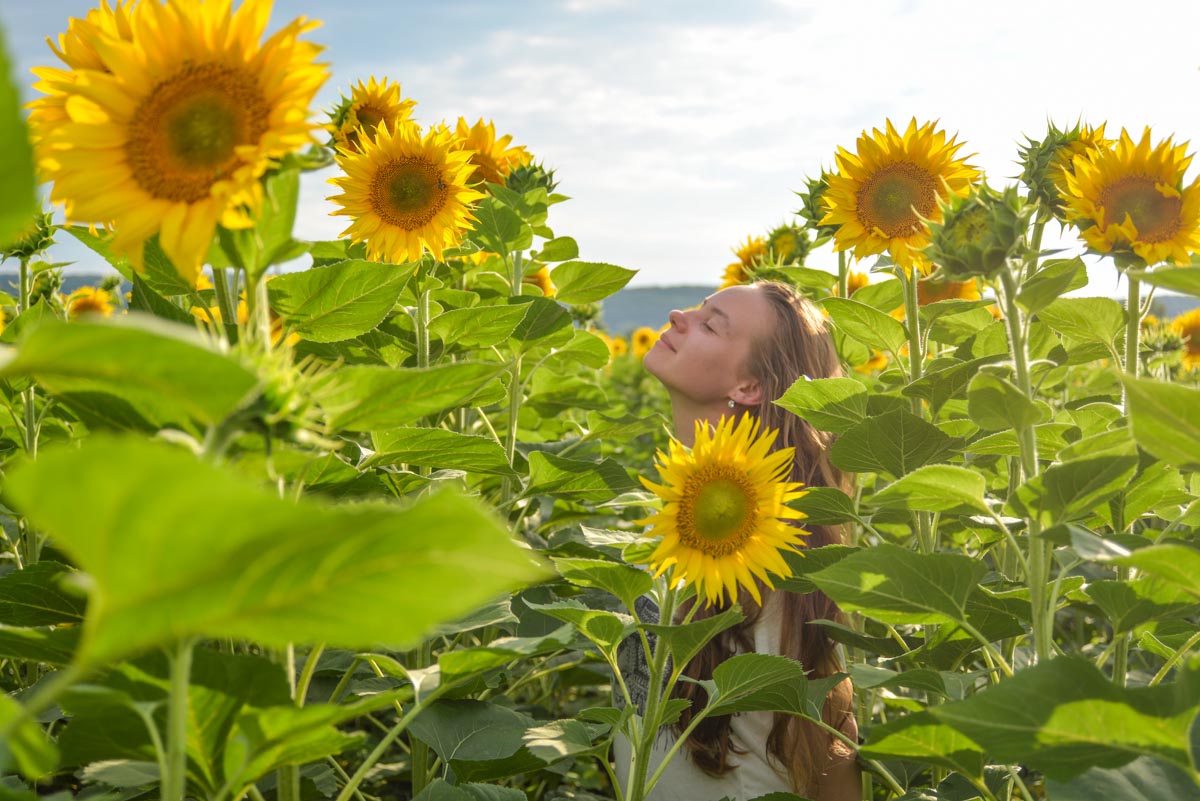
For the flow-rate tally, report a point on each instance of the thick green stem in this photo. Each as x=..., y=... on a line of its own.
x=175, y=781
x=422, y=325
x=843, y=275
x=1038, y=575
x=514, y=382
x=310, y=667
x=225, y=298
x=644, y=748
x=916, y=355
x=287, y=778
x=28, y=543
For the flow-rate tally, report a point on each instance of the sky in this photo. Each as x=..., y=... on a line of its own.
x=680, y=128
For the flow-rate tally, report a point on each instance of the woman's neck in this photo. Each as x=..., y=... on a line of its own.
x=685, y=413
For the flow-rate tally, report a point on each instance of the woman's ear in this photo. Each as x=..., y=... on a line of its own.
x=747, y=393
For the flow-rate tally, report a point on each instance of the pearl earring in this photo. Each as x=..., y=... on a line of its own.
x=732, y=404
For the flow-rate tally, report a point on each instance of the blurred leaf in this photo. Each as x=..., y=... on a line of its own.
x=896, y=585
x=36, y=596
x=1178, y=564
x=1143, y=779
x=921, y=737
x=1178, y=279
x=18, y=202
x=165, y=371
x=337, y=302
x=895, y=442
x=1055, y=278
x=561, y=248
x=437, y=447
x=26, y=749
x=49, y=645
x=866, y=324
x=588, y=282
x=254, y=566
x=828, y=404
x=935, y=488
x=576, y=479
x=1163, y=419
x=369, y=398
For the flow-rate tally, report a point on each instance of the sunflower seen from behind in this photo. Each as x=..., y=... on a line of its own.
x=369, y=106
x=1131, y=198
x=749, y=255
x=882, y=194
x=406, y=192
x=725, y=519
x=170, y=133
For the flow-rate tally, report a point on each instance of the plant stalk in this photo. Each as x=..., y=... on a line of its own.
x=637, y=787
x=174, y=782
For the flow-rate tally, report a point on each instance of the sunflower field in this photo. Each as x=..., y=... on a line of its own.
x=377, y=528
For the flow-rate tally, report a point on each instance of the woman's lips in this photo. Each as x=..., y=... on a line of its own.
x=663, y=339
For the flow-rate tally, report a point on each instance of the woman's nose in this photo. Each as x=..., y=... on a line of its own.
x=676, y=318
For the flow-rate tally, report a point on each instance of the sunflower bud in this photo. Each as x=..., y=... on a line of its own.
x=36, y=237
x=531, y=176
x=1046, y=163
x=979, y=233
x=788, y=245
x=814, y=209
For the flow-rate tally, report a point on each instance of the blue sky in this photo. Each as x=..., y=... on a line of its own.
x=680, y=128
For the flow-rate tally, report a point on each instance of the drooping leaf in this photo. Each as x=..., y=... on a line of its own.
x=935, y=488
x=828, y=404
x=337, y=302
x=896, y=442
x=368, y=398
x=588, y=282
x=576, y=479
x=1054, y=278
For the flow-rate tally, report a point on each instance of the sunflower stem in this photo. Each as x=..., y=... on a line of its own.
x=422, y=319
x=916, y=357
x=643, y=749
x=174, y=782
x=224, y=299
x=28, y=538
x=514, y=381
x=1133, y=327
x=843, y=276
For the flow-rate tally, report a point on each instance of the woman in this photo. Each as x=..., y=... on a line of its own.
x=738, y=352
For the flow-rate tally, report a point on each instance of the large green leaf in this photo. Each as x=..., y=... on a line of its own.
x=369, y=398
x=823, y=506
x=624, y=581
x=1069, y=490
x=935, y=488
x=54, y=646
x=163, y=565
x=39, y=596
x=1128, y=604
x=576, y=479
x=18, y=201
x=1143, y=779
x=478, y=327
x=921, y=737
x=437, y=447
x=499, y=229
x=1163, y=418
x=157, y=271
x=896, y=442
x=1055, y=278
x=996, y=404
x=1178, y=564
x=896, y=585
x=1179, y=279
x=546, y=323
x=759, y=683
x=940, y=385
x=471, y=730
x=1097, y=320
x=605, y=629
x=829, y=404
x=866, y=324
x=163, y=370
x=560, y=739
x=588, y=282
x=441, y=790
x=1064, y=716
x=684, y=641
x=341, y=301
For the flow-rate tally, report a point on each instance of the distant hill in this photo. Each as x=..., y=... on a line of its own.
x=633, y=308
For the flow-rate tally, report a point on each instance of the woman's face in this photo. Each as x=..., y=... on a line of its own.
x=703, y=355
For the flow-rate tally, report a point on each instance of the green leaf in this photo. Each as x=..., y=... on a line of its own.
x=1069, y=490
x=1179, y=279
x=1178, y=564
x=939, y=386
x=1063, y=717
x=499, y=229
x=588, y=282
x=440, y=790
x=18, y=202
x=808, y=561
x=369, y=398
x=561, y=248
x=254, y=566
x=585, y=348
x=921, y=737
x=1050, y=438
x=824, y=506
x=1163, y=419
x=471, y=730
x=896, y=442
x=560, y=739
x=1128, y=604
x=460, y=663
x=576, y=479
x=338, y=302
x=27, y=748
x=624, y=581
x=52, y=646
x=437, y=447
x=277, y=217
x=1143, y=779
x=479, y=327
x=896, y=585
x=866, y=324
x=143, y=298
x=828, y=404
x=39, y=595
x=164, y=371
x=1055, y=278
x=1085, y=320
x=546, y=322
x=605, y=629
x=996, y=404
x=684, y=641
x=935, y=488
x=885, y=295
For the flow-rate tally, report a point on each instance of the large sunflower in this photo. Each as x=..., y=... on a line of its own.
x=370, y=105
x=1132, y=197
x=724, y=519
x=1187, y=325
x=170, y=132
x=492, y=159
x=881, y=194
x=406, y=192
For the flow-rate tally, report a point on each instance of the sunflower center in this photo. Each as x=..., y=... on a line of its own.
x=893, y=196
x=369, y=117
x=408, y=192
x=184, y=135
x=1156, y=216
x=715, y=516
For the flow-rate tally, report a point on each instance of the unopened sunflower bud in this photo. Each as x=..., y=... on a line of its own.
x=525, y=177
x=36, y=237
x=813, y=208
x=1046, y=163
x=788, y=245
x=979, y=233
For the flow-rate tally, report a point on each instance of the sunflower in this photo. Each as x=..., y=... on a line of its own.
x=933, y=291
x=406, y=192
x=725, y=517
x=89, y=300
x=881, y=194
x=789, y=244
x=749, y=254
x=541, y=279
x=854, y=282
x=171, y=130
x=617, y=347
x=642, y=340
x=877, y=362
x=1150, y=321
x=492, y=159
x=1132, y=197
x=370, y=105
x=1187, y=325
x=211, y=315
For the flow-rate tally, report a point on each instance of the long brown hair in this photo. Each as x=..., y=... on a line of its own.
x=799, y=346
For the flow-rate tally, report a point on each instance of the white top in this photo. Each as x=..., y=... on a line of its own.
x=756, y=773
